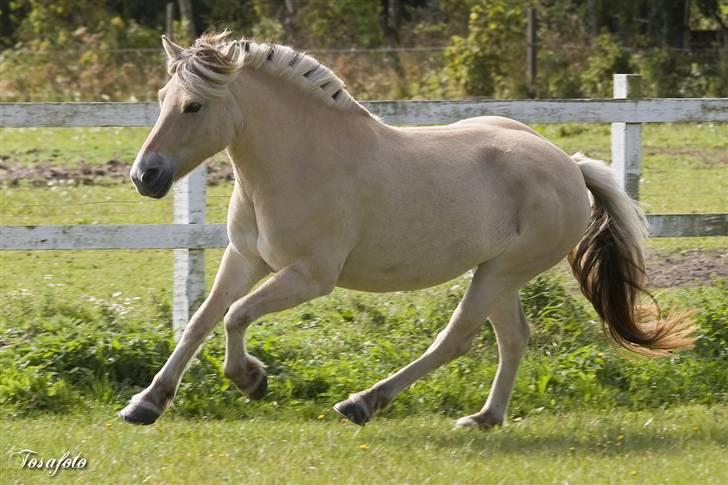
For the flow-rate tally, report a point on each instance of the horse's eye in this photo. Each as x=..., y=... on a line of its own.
x=192, y=108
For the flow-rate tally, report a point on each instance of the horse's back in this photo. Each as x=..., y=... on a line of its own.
x=497, y=121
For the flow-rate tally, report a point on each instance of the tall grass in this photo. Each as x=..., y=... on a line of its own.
x=57, y=355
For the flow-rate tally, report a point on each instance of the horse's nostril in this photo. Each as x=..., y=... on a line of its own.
x=150, y=175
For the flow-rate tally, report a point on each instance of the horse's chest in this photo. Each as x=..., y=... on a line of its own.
x=277, y=237
x=242, y=225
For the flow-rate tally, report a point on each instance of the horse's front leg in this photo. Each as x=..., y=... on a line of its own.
x=236, y=276
x=293, y=285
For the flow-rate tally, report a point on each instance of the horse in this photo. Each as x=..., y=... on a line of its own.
x=327, y=195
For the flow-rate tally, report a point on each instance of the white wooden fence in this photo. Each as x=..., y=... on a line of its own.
x=189, y=235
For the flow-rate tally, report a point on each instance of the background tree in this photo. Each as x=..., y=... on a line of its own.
x=82, y=48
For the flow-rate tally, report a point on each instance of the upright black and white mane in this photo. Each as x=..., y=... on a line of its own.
x=207, y=67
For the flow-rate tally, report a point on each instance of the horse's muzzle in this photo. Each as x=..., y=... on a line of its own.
x=152, y=175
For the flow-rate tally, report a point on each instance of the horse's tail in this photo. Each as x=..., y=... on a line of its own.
x=610, y=266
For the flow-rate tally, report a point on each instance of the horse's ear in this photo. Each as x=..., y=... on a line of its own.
x=170, y=47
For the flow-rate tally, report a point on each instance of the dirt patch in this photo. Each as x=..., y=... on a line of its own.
x=694, y=267
x=686, y=268
x=710, y=157
x=44, y=173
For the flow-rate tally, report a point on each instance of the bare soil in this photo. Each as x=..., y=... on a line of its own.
x=40, y=174
x=665, y=269
x=686, y=268
x=707, y=156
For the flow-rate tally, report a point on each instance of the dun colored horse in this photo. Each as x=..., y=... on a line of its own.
x=327, y=195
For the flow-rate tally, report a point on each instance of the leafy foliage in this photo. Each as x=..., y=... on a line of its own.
x=482, y=61
x=342, y=22
x=607, y=58
x=56, y=356
x=79, y=50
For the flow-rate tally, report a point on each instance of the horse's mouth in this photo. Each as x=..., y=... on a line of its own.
x=160, y=188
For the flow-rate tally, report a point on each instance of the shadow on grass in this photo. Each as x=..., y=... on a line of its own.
x=609, y=438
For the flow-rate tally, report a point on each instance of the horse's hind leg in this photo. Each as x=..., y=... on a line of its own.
x=512, y=333
x=486, y=290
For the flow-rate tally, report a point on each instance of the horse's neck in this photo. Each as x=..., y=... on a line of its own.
x=288, y=134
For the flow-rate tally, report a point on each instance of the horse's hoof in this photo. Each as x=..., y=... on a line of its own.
x=140, y=412
x=479, y=421
x=466, y=422
x=354, y=411
x=260, y=389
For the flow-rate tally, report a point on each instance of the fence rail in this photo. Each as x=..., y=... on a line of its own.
x=190, y=236
x=663, y=110
x=209, y=236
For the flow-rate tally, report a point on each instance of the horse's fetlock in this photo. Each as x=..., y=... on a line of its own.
x=379, y=398
x=231, y=371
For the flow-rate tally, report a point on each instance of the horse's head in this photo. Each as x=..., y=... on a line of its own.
x=199, y=114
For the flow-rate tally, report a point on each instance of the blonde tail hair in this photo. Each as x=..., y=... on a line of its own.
x=609, y=264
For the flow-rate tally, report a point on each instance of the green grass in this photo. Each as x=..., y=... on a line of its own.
x=682, y=445
x=62, y=146
x=684, y=167
x=68, y=146
x=98, y=204
x=61, y=350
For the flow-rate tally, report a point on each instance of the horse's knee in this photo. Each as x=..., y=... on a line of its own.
x=237, y=317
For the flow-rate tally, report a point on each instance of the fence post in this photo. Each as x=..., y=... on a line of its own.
x=626, y=138
x=189, y=264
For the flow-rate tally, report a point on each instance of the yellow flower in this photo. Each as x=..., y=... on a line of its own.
x=364, y=446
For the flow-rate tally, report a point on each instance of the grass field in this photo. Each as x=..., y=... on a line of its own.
x=686, y=445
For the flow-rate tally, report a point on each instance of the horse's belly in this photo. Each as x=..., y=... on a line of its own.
x=383, y=281
x=394, y=266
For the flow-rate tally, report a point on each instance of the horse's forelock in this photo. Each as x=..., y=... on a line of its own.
x=208, y=66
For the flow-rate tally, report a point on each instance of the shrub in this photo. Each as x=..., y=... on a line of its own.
x=484, y=61
x=668, y=73
x=606, y=59
x=55, y=356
